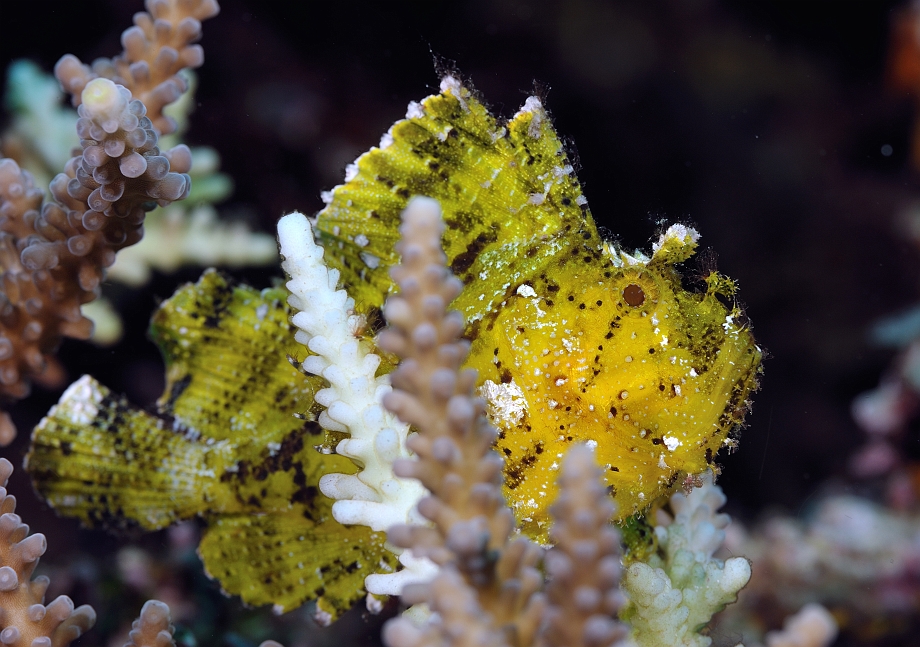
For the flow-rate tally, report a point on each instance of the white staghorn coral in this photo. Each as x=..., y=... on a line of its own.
x=328, y=328
x=675, y=595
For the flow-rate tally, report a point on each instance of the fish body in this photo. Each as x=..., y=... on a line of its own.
x=574, y=339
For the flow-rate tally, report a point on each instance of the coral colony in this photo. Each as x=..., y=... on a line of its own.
x=55, y=253
x=533, y=384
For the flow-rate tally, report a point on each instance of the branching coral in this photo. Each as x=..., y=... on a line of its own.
x=329, y=328
x=676, y=593
x=54, y=254
x=152, y=627
x=41, y=138
x=486, y=591
x=472, y=529
x=583, y=566
x=157, y=48
x=25, y=620
x=190, y=232
x=41, y=134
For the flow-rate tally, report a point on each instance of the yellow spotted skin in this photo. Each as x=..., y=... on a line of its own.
x=224, y=444
x=657, y=385
x=574, y=340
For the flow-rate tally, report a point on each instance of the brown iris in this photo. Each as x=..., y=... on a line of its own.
x=633, y=295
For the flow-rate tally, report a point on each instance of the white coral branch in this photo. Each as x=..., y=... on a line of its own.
x=674, y=595
x=812, y=626
x=328, y=327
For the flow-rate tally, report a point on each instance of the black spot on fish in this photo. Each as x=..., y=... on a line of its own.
x=177, y=389
x=462, y=262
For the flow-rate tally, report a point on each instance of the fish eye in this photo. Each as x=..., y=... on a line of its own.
x=634, y=295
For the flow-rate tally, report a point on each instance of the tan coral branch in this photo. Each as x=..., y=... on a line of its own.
x=152, y=627
x=53, y=255
x=472, y=524
x=583, y=593
x=25, y=620
x=156, y=49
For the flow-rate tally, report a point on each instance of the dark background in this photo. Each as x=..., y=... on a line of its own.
x=760, y=123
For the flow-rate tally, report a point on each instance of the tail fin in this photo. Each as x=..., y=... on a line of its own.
x=112, y=465
x=230, y=397
x=279, y=558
